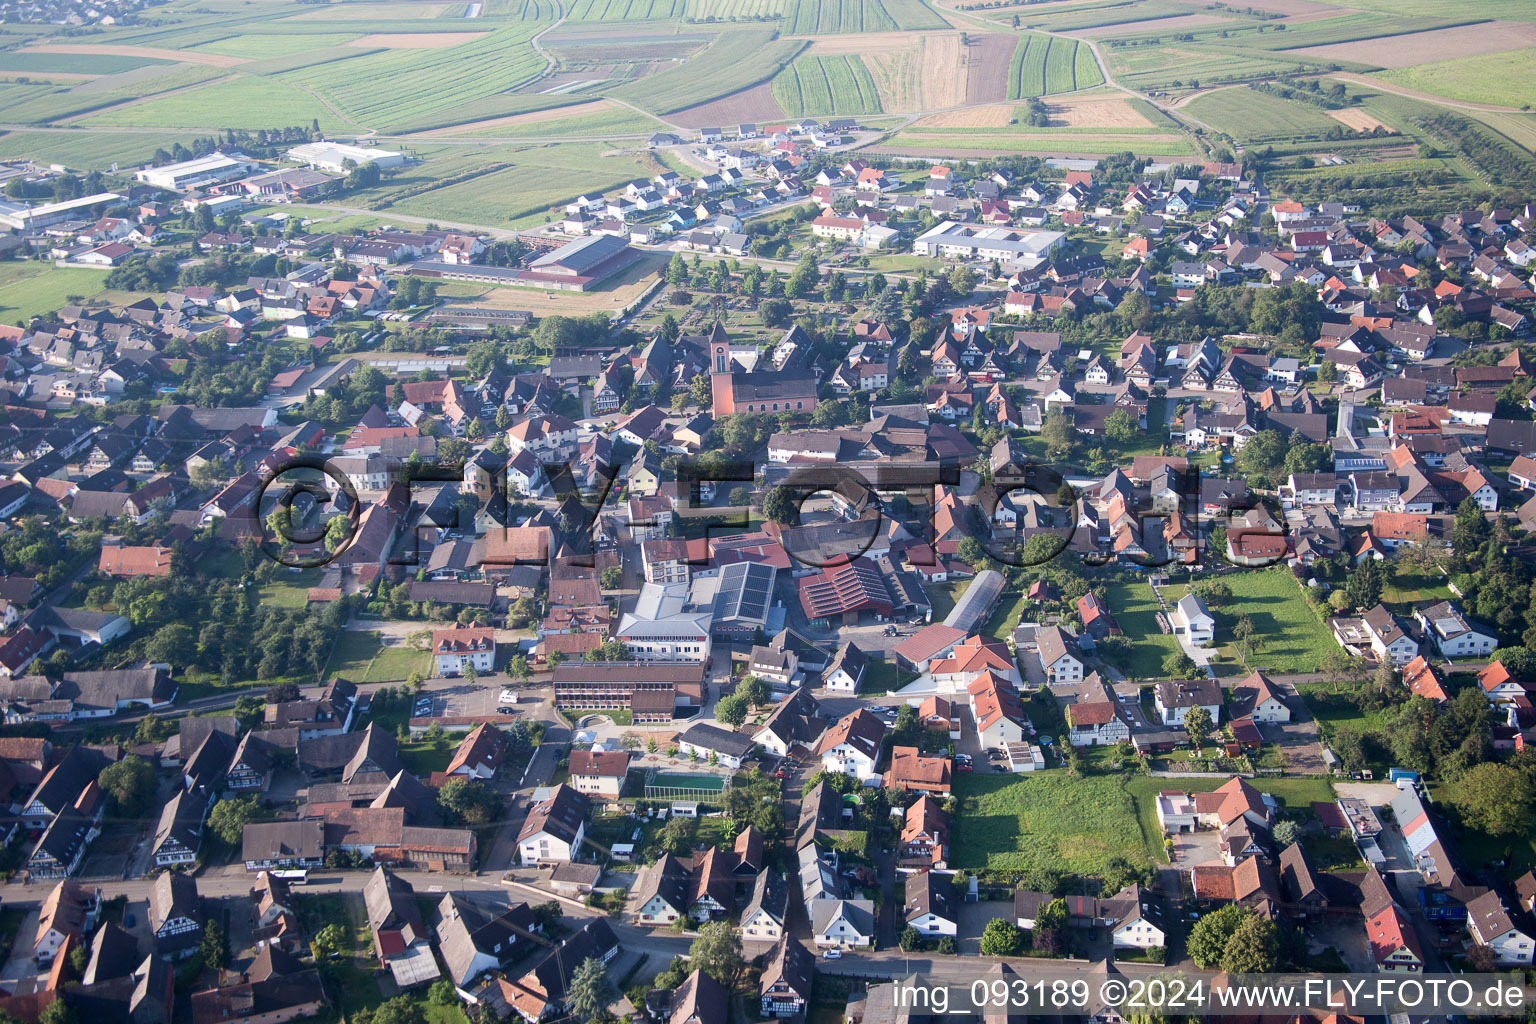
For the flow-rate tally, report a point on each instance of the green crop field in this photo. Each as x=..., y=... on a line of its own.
x=37, y=294
x=71, y=63
x=505, y=185
x=1252, y=116
x=622, y=121
x=243, y=101
x=394, y=86
x=823, y=17
x=826, y=85
x=257, y=47
x=1502, y=78
x=87, y=150
x=733, y=10
x=1043, y=65
x=1045, y=820
x=624, y=10
x=38, y=104
x=733, y=61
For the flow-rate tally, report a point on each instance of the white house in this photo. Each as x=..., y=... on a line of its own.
x=1491, y=925
x=1191, y=617
x=555, y=827
x=1255, y=697
x=1388, y=638
x=846, y=671
x=1059, y=656
x=455, y=649
x=661, y=892
x=843, y=923
x=1453, y=634
x=932, y=907
x=1174, y=698
x=852, y=746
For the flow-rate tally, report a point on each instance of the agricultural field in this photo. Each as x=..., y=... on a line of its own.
x=922, y=73
x=383, y=89
x=33, y=62
x=1252, y=116
x=734, y=10
x=1406, y=50
x=1045, y=820
x=624, y=10
x=1495, y=78
x=1085, y=141
x=260, y=47
x=584, y=119
x=87, y=150
x=241, y=101
x=733, y=61
x=1043, y=65
x=826, y=85
x=822, y=17
x=505, y=186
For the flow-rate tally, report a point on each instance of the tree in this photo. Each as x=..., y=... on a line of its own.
x=1208, y=939
x=467, y=801
x=1058, y=433
x=1287, y=833
x=754, y=691
x=1263, y=456
x=885, y=306
x=774, y=312
x=1002, y=938
x=732, y=710
x=215, y=947
x=399, y=1010
x=676, y=836
x=1493, y=798
x=1053, y=915
x=230, y=816
x=970, y=551
x=1385, y=677
x=1363, y=587
x=804, y=278
x=517, y=665
x=1328, y=372
x=717, y=952
x=58, y=1011
x=333, y=938
x=442, y=993
x=1197, y=722
x=612, y=578
x=779, y=505
x=590, y=991
x=910, y=940
x=1121, y=426
x=1254, y=948
x=1243, y=631
x=130, y=783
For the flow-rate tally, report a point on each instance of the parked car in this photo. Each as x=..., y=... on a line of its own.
x=832, y=954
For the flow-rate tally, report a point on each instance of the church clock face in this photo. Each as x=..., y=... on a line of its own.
x=720, y=359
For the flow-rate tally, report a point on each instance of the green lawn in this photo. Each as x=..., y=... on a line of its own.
x=1006, y=615
x=1405, y=590
x=1294, y=795
x=360, y=655
x=26, y=295
x=1288, y=637
x=1135, y=608
x=290, y=591
x=944, y=596
x=422, y=758
x=1046, y=820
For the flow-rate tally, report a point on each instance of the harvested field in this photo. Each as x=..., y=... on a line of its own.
x=927, y=76
x=1154, y=26
x=532, y=117
x=996, y=115
x=612, y=298
x=750, y=105
x=414, y=40
x=986, y=67
x=1440, y=44
x=827, y=46
x=217, y=60
x=1359, y=120
x=1095, y=113
x=48, y=76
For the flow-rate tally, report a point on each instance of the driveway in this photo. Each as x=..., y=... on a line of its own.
x=1192, y=848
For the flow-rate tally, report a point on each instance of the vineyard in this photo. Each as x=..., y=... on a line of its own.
x=826, y=17
x=826, y=85
x=388, y=88
x=1045, y=65
x=619, y=10
x=732, y=62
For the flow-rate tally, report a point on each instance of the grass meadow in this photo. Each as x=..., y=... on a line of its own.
x=1045, y=820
